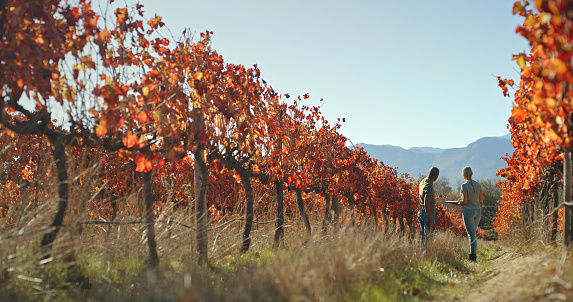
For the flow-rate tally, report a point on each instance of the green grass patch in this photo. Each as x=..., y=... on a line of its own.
x=425, y=280
x=253, y=258
x=418, y=281
x=95, y=267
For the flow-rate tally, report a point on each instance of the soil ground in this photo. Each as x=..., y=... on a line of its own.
x=512, y=276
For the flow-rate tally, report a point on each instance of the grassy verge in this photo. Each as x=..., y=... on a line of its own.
x=355, y=264
x=426, y=280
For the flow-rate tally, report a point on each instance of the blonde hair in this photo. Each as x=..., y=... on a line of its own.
x=467, y=173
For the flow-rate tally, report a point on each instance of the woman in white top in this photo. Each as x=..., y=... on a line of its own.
x=471, y=199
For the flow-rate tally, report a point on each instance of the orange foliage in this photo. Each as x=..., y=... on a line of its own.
x=540, y=121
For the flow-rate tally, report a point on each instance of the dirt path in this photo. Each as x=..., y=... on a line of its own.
x=516, y=277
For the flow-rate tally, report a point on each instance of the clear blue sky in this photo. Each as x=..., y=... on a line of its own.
x=405, y=73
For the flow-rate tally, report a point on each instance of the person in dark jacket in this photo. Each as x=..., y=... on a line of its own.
x=427, y=204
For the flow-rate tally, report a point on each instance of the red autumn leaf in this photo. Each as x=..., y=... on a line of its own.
x=101, y=130
x=146, y=89
x=153, y=72
x=142, y=141
x=256, y=169
x=143, y=163
x=519, y=113
x=130, y=139
x=155, y=22
x=198, y=75
x=518, y=8
x=142, y=117
x=121, y=14
x=104, y=36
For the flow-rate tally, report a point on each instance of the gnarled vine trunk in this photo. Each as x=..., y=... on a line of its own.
x=59, y=154
x=246, y=180
x=411, y=227
x=302, y=210
x=336, y=209
x=374, y=213
x=555, y=215
x=402, y=226
x=567, y=177
x=279, y=232
x=200, y=182
x=327, y=215
x=386, y=219
x=149, y=221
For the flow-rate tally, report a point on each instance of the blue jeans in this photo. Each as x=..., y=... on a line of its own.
x=424, y=222
x=471, y=221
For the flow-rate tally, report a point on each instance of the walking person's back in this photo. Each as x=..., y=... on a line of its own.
x=427, y=203
x=471, y=199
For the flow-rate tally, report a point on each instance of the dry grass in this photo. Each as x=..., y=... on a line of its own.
x=105, y=263
x=532, y=237
x=109, y=263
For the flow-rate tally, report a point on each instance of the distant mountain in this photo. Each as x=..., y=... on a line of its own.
x=483, y=155
x=428, y=149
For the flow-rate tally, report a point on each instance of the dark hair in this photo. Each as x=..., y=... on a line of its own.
x=434, y=171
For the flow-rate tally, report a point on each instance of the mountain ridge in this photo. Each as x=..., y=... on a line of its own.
x=484, y=156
